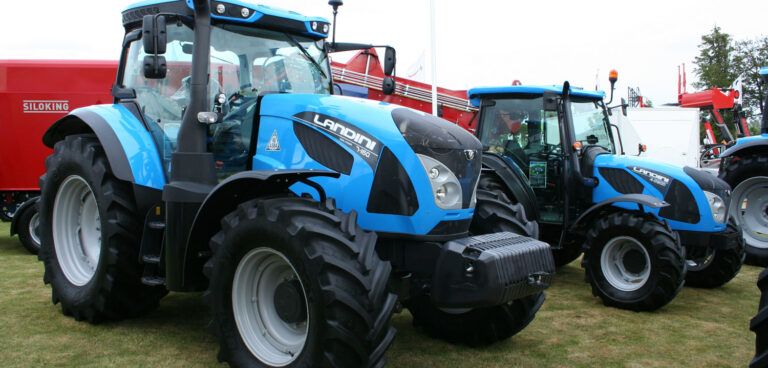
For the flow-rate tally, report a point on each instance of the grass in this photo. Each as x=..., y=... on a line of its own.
x=700, y=328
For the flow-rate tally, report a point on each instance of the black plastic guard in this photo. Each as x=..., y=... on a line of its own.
x=491, y=269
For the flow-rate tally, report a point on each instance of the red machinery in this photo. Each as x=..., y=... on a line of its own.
x=364, y=71
x=715, y=100
x=34, y=94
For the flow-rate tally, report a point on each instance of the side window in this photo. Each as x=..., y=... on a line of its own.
x=162, y=101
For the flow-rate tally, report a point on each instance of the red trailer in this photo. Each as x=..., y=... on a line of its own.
x=364, y=74
x=33, y=95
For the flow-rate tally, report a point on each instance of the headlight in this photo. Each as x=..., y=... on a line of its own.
x=717, y=206
x=445, y=186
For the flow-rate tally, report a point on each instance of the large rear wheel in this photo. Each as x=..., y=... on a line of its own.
x=88, y=231
x=748, y=176
x=297, y=283
x=759, y=324
x=482, y=326
x=633, y=262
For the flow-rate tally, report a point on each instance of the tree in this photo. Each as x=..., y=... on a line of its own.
x=748, y=57
x=714, y=65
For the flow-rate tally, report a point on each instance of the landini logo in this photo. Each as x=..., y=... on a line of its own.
x=45, y=106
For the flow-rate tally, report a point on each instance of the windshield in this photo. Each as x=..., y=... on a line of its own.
x=590, y=125
x=249, y=62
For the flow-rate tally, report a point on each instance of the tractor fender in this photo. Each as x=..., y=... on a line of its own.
x=515, y=180
x=225, y=197
x=129, y=147
x=15, y=222
x=751, y=145
x=641, y=199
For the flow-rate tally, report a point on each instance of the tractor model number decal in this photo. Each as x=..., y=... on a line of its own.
x=45, y=106
x=659, y=181
x=361, y=142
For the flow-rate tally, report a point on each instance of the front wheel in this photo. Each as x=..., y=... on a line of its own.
x=494, y=213
x=711, y=268
x=633, y=262
x=297, y=283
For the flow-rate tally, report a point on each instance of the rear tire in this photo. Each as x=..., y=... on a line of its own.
x=28, y=228
x=759, y=324
x=748, y=177
x=633, y=262
x=483, y=326
x=343, y=319
x=714, y=267
x=89, y=230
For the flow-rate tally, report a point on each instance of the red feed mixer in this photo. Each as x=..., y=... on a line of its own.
x=33, y=95
x=715, y=100
x=362, y=76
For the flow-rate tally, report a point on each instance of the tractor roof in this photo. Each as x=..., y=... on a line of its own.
x=764, y=70
x=234, y=11
x=475, y=94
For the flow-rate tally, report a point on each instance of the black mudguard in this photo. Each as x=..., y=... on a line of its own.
x=14, y=223
x=225, y=198
x=640, y=199
x=87, y=122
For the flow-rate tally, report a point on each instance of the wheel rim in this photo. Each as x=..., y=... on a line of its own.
x=701, y=260
x=76, y=230
x=256, y=289
x=34, y=229
x=625, y=263
x=749, y=207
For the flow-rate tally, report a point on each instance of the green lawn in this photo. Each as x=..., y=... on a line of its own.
x=701, y=328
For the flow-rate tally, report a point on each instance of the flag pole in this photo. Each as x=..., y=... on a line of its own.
x=433, y=54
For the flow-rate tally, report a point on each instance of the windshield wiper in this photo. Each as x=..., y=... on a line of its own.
x=306, y=54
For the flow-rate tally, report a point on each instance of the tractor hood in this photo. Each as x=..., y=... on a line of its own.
x=683, y=188
x=399, y=148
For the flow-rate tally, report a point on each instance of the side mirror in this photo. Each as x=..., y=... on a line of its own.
x=388, y=86
x=624, y=106
x=153, y=34
x=155, y=67
x=390, y=60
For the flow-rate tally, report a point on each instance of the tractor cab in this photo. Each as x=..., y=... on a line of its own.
x=522, y=124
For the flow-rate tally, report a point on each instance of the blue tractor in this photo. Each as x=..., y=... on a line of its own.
x=744, y=166
x=226, y=165
x=640, y=224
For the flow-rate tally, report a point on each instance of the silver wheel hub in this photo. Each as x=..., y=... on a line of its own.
x=34, y=229
x=749, y=207
x=76, y=229
x=264, y=279
x=625, y=263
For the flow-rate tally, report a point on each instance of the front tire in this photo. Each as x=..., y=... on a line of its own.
x=749, y=204
x=711, y=268
x=29, y=229
x=295, y=282
x=633, y=262
x=483, y=326
x=89, y=228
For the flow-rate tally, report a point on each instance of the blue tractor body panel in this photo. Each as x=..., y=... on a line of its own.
x=651, y=175
x=351, y=191
x=135, y=141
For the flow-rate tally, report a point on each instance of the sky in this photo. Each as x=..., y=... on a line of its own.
x=479, y=43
